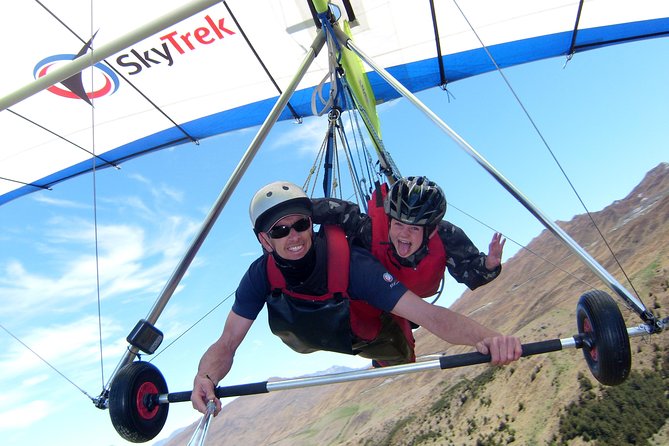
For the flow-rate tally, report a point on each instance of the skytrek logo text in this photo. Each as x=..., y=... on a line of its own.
x=136, y=61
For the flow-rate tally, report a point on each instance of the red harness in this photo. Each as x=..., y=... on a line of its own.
x=424, y=279
x=363, y=318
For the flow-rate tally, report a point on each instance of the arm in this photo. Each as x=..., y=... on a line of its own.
x=217, y=361
x=370, y=282
x=456, y=328
x=465, y=262
x=345, y=214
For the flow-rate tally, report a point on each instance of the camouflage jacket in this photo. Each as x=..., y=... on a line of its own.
x=465, y=262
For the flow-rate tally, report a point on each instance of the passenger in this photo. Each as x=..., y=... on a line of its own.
x=405, y=231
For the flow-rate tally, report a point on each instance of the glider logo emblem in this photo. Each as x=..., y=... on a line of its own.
x=104, y=79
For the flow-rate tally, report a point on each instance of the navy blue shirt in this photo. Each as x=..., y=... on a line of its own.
x=368, y=281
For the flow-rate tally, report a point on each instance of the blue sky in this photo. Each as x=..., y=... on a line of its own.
x=604, y=116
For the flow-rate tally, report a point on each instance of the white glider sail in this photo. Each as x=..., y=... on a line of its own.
x=221, y=69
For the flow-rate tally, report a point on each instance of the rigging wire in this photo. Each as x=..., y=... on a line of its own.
x=193, y=325
x=544, y=273
x=545, y=143
x=536, y=254
x=25, y=184
x=95, y=228
x=97, y=277
x=296, y=115
x=174, y=341
x=352, y=170
x=443, y=82
x=361, y=147
x=95, y=218
x=386, y=162
x=318, y=161
x=572, y=46
x=313, y=171
x=336, y=180
x=92, y=153
x=41, y=358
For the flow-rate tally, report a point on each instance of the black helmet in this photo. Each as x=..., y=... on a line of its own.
x=416, y=201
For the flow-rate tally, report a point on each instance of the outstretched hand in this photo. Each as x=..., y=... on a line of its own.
x=502, y=349
x=495, y=248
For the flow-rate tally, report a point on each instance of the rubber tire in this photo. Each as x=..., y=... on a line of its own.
x=130, y=417
x=610, y=357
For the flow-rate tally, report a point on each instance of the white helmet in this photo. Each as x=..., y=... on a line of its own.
x=275, y=201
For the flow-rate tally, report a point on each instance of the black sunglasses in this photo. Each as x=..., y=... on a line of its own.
x=280, y=231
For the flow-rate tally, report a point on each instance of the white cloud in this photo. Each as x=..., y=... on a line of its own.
x=35, y=380
x=384, y=107
x=72, y=349
x=130, y=259
x=140, y=178
x=172, y=326
x=50, y=278
x=159, y=191
x=68, y=347
x=69, y=204
x=23, y=416
x=308, y=138
x=136, y=205
x=305, y=138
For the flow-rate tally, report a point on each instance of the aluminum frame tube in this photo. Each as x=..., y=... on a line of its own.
x=227, y=191
x=442, y=362
x=604, y=275
x=357, y=375
x=640, y=330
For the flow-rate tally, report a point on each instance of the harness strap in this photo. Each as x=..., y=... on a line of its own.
x=276, y=280
x=339, y=256
x=378, y=193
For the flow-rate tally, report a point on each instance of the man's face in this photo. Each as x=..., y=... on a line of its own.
x=295, y=244
x=406, y=239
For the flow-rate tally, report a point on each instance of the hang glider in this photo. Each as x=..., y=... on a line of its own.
x=162, y=77
x=165, y=74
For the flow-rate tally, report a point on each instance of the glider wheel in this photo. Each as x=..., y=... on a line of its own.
x=606, y=345
x=134, y=413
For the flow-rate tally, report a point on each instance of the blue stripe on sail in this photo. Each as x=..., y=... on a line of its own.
x=415, y=76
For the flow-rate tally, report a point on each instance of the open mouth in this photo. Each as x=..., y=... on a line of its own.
x=403, y=248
